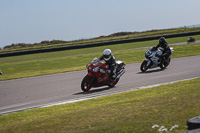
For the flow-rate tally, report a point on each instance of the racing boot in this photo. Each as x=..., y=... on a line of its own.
x=0, y=73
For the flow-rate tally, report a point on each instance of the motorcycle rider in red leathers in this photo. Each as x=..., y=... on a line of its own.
x=110, y=60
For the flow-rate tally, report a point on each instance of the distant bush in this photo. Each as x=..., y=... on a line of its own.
x=120, y=34
x=20, y=45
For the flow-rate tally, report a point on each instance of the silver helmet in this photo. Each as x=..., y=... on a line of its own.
x=107, y=54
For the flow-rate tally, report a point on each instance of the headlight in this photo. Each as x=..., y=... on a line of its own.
x=88, y=66
x=95, y=69
x=148, y=53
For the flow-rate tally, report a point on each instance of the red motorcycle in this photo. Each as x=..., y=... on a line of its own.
x=97, y=75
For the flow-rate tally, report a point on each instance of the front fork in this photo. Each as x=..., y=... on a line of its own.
x=148, y=63
x=91, y=79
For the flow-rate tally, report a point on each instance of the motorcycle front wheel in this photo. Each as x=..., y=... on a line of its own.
x=85, y=84
x=143, y=66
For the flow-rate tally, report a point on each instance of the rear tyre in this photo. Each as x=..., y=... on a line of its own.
x=143, y=66
x=164, y=64
x=85, y=84
x=111, y=85
x=193, y=123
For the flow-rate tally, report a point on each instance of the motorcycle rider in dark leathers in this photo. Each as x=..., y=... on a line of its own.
x=110, y=60
x=0, y=73
x=166, y=50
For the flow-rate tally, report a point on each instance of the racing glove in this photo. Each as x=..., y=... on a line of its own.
x=102, y=71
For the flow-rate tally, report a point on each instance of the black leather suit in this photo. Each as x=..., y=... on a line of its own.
x=166, y=50
x=112, y=64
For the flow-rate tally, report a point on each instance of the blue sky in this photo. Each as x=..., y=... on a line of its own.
x=30, y=21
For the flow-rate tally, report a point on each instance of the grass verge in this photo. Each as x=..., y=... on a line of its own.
x=135, y=111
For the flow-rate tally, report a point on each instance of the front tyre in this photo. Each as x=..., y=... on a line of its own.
x=85, y=84
x=143, y=66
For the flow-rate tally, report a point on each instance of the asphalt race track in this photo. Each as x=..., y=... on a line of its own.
x=25, y=93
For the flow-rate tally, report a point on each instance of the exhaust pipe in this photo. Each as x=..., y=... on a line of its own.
x=120, y=74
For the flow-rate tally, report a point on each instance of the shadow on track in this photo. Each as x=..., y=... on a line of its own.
x=151, y=71
x=93, y=91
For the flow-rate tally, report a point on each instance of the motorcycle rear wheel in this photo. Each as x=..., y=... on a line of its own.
x=143, y=66
x=113, y=83
x=165, y=64
x=84, y=84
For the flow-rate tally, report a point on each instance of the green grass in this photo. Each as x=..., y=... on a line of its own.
x=135, y=111
x=71, y=60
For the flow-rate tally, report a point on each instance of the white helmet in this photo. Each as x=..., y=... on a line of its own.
x=107, y=54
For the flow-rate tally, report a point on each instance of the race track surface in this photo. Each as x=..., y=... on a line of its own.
x=25, y=93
